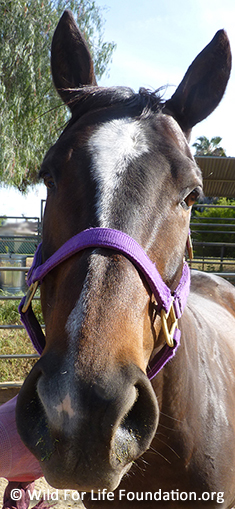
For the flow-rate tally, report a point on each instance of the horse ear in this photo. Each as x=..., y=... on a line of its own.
x=203, y=85
x=71, y=62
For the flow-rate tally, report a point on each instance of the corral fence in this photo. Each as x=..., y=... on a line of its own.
x=19, y=238
x=213, y=238
x=17, y=250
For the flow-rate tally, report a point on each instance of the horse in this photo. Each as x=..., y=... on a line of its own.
x=89, y=410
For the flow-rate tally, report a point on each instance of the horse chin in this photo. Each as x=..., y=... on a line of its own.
x=65, y=480
x=67, y=469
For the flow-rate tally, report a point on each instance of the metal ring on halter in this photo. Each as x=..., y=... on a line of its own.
x=169, y=332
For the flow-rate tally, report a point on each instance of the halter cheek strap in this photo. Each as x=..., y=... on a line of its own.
x=167, y=304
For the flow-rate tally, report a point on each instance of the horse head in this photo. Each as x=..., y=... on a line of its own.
x=87, y=410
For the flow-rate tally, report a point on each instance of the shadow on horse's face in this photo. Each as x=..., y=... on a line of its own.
x=87, y=409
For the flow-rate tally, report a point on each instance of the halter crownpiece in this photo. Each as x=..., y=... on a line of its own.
x=167, y=304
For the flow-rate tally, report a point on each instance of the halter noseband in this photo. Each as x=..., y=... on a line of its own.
x=167, y=304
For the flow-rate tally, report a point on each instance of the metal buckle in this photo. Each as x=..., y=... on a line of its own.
x=29, y=296
x=189, y=246
x=169, y=332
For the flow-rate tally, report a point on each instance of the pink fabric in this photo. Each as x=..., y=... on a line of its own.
x=23, y=501
x=16, y=461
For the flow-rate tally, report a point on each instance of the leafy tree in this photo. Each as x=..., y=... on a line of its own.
x=206, y=147
x=31, y=113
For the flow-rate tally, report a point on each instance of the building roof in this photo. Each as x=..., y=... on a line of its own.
x=218, y=175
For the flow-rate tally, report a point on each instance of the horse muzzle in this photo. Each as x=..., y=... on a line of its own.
x=86, y=434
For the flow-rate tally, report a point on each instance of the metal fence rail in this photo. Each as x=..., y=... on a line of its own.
x=14, y=386
x=19, y=235
x=4, y=357
x=213, y=238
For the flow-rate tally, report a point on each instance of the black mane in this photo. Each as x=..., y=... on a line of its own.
x=90, y=99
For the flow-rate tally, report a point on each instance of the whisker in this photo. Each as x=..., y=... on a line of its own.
x=169, y=417
x=139, y=468
x=159, y=454
x=166, y=427
x=169, y=447
x=144, y=461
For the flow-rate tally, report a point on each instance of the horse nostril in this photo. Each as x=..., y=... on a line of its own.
x=137, y=428
x=40, y=442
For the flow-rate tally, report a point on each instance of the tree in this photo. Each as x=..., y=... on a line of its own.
x=31, y=112
x=206, y=147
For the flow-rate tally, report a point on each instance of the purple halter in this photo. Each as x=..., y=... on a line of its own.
x=167, y=304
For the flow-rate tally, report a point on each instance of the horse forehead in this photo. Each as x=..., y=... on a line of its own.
x=125, y=139
x=173, y=133
x=118, y=141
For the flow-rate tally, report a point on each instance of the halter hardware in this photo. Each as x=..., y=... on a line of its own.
x=189, y=246
x=169, y=332
x=29, y=296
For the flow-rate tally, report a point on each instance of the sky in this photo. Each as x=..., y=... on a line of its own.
x=156, y=42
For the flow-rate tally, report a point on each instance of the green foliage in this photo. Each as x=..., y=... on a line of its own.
x=15, y=342
x=9, y=311
x=214, y=216
x=31, y=113
x=206, y=147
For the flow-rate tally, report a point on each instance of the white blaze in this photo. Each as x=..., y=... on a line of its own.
x=112, y=147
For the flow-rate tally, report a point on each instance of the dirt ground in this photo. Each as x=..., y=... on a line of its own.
x=42, y=485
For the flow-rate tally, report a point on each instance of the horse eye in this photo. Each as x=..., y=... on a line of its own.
x=48, y=180
x=191, y=198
